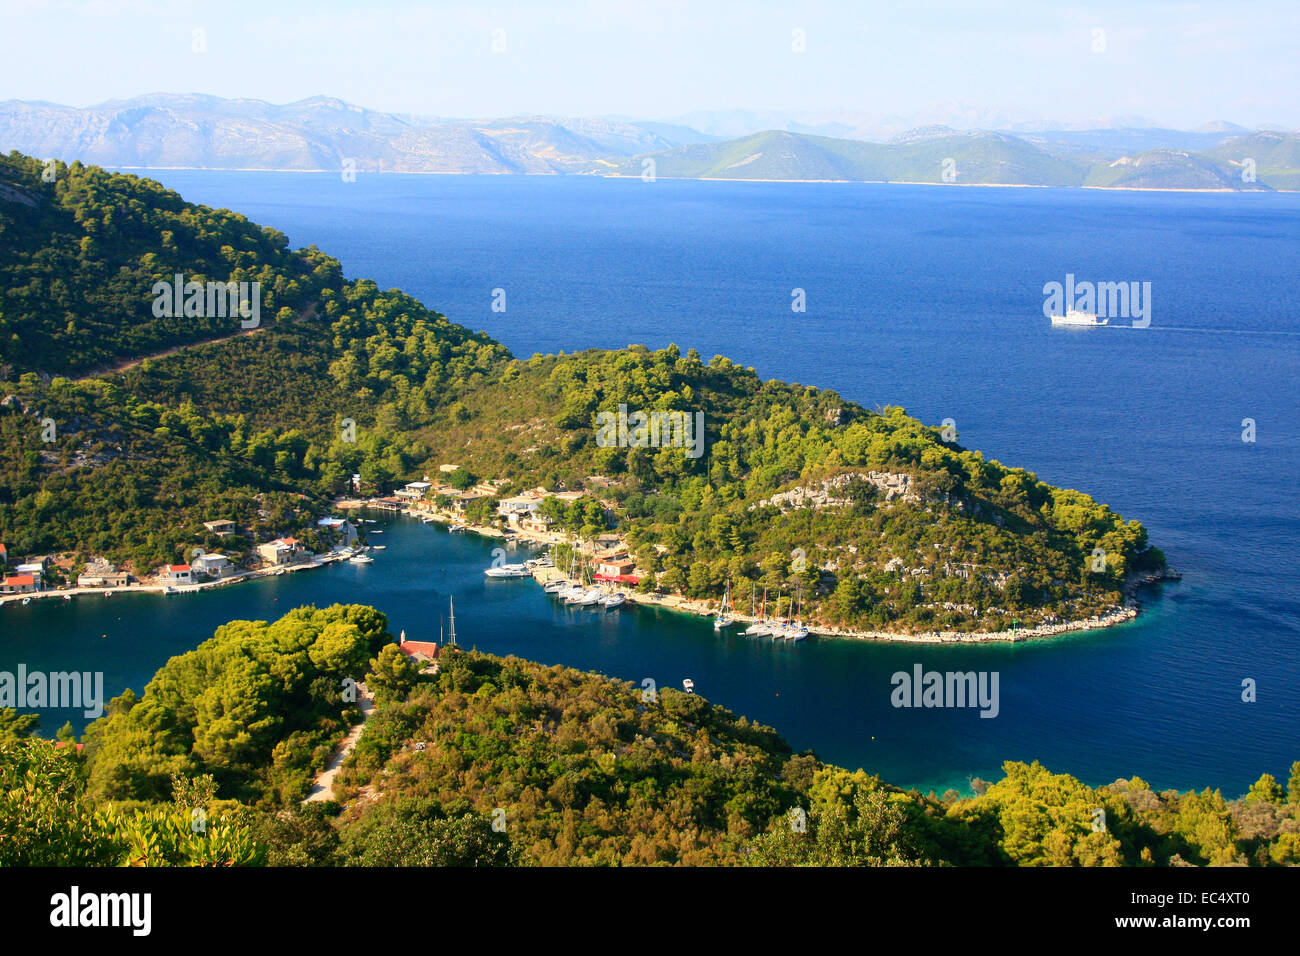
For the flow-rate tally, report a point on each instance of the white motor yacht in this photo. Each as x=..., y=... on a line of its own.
x=507, y=571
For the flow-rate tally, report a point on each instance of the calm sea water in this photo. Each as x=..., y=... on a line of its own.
x=924, y=297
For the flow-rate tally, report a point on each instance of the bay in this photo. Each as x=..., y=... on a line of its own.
x=925, y=297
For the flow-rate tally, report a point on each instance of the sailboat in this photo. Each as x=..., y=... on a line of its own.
x=451, y=635
x=724, y=619
x=759, y=627
x=577, y=593
x=795, y=631
x=776, y=627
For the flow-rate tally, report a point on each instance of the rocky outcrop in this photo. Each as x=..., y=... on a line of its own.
x=830, y=492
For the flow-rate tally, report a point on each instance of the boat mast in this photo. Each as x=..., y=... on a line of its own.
x=451, y=638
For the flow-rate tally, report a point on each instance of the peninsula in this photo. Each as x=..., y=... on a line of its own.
x=868, y=521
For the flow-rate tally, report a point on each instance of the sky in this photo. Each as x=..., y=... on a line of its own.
x=1175, y=64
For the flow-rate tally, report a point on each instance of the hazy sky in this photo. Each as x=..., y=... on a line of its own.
x=1180, y=64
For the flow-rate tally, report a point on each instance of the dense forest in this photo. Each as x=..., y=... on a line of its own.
x=501, y=761
x=81, y=249
x=972, y=544
x=871, y=518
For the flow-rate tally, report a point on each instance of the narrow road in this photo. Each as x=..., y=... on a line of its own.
x=323, y=786
x=306, y=315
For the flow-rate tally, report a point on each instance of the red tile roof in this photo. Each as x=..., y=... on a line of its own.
x=427, y=648
x=19, y=580
x=178, y=567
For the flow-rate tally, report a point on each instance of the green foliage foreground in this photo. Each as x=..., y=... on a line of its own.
x=500, y=761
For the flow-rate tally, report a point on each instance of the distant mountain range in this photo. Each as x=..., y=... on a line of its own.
x=196, y=131
x=165, y=130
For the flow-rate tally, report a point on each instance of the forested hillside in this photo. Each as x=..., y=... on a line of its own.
x=81, y=249
x=495, y=761
x=966, y=543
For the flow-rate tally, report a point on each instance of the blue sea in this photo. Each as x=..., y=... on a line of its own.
x=926, y=297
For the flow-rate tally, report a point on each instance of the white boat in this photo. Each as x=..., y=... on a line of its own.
x=759, y=627
x=376, y=531
x=688, y=685
x=67, y=597
x=455, y=528
x=796, y=631
x=724, y=619
x=1075, y=317
x=361, y=559
x=556, y=586
x=507, y=571
x=26, y=601
x=613, y=600
x=580, y=595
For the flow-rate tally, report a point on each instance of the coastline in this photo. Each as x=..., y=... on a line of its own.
x=318, y=562
x=1116, y=615
x=705, y=179
x=1119, y=614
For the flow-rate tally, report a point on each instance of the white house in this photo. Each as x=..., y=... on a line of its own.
x=35, y=569
x=517, y=505
x=178, y=574
x=414, y=490
x=281, y=551
x=213, y=565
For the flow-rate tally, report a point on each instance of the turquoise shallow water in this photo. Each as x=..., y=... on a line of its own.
x=925, y=297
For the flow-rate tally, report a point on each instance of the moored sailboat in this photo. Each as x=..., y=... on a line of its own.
x=760, y=627
x=724, y=619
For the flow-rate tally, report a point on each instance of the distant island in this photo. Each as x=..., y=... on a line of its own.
x=132, y=439
x=324, y=134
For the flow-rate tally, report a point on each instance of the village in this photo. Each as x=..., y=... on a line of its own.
x=478, y=508
x=65, y=576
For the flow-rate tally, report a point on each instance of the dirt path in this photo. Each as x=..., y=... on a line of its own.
x=323, y=786
x=306, y=315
